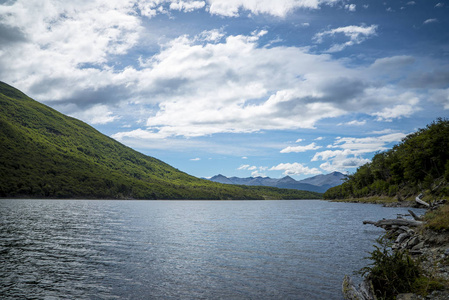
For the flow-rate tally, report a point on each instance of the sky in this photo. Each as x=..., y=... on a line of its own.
x=236, y=87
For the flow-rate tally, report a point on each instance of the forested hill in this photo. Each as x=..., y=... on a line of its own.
x=45, y=154
x=420, y=163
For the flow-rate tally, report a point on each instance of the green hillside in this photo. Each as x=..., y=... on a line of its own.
x=45, y=154
x=419, y=164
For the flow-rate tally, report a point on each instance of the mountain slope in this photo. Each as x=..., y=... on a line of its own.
x=319, y=183
x=44, y=153
x=332, y=179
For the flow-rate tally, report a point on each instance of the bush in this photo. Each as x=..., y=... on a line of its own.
x=394, y=272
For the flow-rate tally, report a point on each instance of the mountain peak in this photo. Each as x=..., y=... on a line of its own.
x=287, y=179
x=332, y=179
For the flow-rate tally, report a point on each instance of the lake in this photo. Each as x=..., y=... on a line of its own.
x=107, y=249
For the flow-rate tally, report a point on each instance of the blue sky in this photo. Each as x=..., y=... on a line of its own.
x=237, y=87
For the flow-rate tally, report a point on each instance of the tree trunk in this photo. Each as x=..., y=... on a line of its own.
x=417, y=218
x=418, y=200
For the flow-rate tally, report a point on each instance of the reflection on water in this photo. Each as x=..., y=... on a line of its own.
x=80, y=249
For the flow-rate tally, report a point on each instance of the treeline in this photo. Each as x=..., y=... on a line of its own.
x=419, y=163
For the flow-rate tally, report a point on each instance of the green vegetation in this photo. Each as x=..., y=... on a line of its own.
x=438, y=220
x=45, y=154
x=394, y=272
x=420, y=163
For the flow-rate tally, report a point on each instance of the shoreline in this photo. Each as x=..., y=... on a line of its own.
x=426, y=245
x=384, y=200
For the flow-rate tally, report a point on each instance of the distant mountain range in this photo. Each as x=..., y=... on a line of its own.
x=319, y=183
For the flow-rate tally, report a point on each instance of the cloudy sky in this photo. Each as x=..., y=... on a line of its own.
x=237, y=87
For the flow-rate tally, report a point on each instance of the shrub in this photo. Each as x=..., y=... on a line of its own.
x=394, y=272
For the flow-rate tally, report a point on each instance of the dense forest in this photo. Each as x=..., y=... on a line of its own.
x=45, y=154
x=420, y=163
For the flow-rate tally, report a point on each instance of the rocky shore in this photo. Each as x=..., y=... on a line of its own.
x=426, y=246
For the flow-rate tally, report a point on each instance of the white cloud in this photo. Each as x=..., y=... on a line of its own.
x=394, y=64
x=441, y=96
x=258, y=174
x=351, y=150
x=343, y=164
x=137, y=134
x=439, y=4
x=384, y=131
x=356, y=35
x=295, y=169
x=290, y=93
x=98, y=114
x=229, y=8
x=350, y=7
x=243, y=167
x=367, y=144
x=232, y=73
x=428, y=21
x=398, y=111
x=66, y=43
x=213, y=35
x=194, y=86
x=353, y=123
x=151, y=8
x=297, y=149
x=299, y=140
x=279, y=8
x=408, y=103
x=256, y=171
x=195, y=159
x=319, y=138
x=187, y=6
x=244, y=157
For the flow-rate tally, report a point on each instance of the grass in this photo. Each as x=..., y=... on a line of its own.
x=438, y=220
x=371, y=199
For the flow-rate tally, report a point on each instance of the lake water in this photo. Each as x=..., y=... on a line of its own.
x=84, y=249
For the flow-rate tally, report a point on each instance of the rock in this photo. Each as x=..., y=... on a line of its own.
x=418, y=246
x=367, y=289
x=363, y=292
x=350, y=292
x=405, y=228
x=412, y=242
x=446, y=252
x=408, y=296
x=401, y=237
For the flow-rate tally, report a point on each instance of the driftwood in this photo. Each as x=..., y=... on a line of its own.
x=417, y=218
x=397, y=222
x=418, y=200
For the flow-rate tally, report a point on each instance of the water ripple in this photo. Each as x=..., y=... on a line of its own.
x=76, y=249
